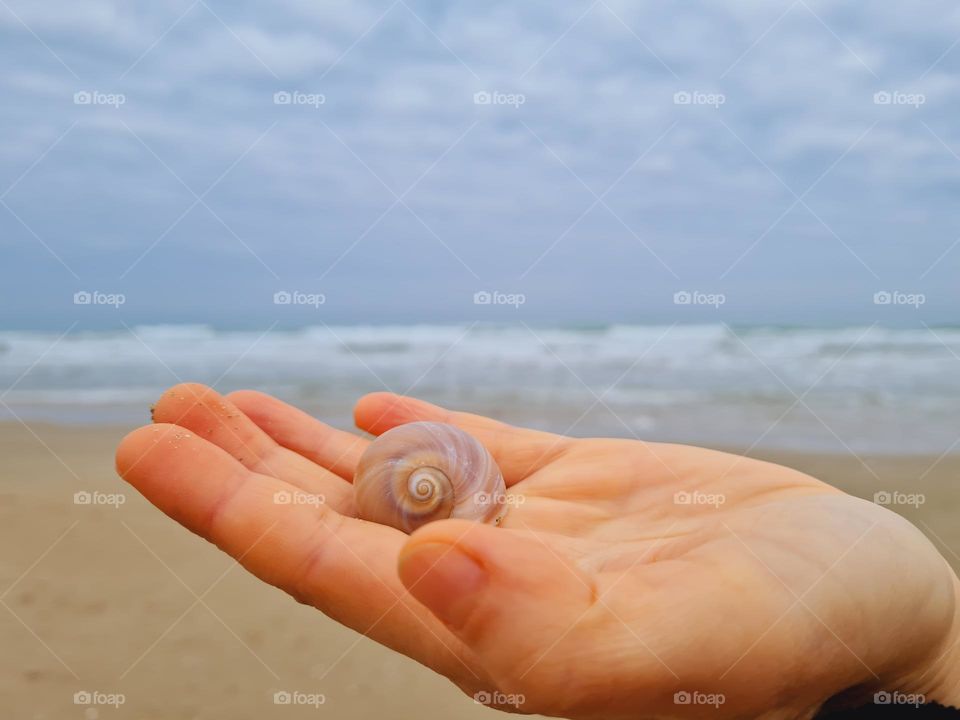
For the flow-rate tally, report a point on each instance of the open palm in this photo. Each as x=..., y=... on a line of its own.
x=627, y=579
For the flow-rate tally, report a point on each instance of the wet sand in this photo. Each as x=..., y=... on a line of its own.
x=113, y=606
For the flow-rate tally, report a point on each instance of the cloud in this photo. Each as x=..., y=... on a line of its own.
x=583, y=101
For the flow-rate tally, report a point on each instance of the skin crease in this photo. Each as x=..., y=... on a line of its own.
x=600, y=595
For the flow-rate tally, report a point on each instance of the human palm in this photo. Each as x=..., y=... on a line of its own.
x=627, y=579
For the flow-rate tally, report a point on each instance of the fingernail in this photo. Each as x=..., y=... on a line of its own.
x=444, y=579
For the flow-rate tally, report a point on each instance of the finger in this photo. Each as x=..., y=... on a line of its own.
x=504, y=593
x=294, y=429
x=343, y=566
x=518, y=451
x=204, y=411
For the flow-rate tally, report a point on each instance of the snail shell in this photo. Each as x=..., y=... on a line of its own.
x=424, y=471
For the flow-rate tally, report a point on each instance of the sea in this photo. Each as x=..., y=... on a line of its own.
x=845, y=389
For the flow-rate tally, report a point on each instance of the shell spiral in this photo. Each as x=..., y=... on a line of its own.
x=423, y=471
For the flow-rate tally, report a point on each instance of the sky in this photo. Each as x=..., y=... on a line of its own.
x=384, y=162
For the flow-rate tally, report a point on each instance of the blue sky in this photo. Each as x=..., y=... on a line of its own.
x=145, y=152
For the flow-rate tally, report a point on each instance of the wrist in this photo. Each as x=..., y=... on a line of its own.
x=938, y=679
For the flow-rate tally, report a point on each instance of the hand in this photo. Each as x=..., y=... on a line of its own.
x=624, y=574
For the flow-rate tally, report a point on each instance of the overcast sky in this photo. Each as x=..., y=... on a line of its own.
x=618, y=152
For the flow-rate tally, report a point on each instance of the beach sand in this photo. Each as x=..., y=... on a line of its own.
x=122, y=600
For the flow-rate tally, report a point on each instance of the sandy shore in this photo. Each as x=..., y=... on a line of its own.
x=113, y=606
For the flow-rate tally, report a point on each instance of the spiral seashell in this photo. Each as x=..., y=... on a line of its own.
x=424, y=471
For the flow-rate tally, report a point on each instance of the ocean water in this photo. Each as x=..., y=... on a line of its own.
x=855, y=389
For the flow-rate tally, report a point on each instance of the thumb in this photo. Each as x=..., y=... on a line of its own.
x=494, y=588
